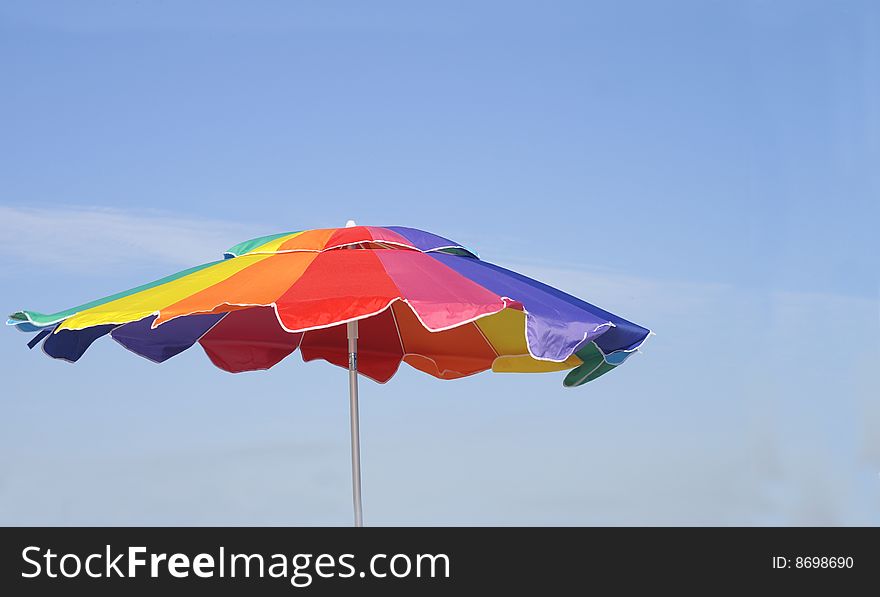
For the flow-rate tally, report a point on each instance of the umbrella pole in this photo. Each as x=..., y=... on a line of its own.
x=355, y=424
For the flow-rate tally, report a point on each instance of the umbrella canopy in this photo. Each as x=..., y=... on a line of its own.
x=418, y=298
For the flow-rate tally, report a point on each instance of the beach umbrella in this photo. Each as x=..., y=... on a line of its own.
x=361, y=297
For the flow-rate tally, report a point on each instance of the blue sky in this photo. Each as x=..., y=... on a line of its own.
x=706, y=169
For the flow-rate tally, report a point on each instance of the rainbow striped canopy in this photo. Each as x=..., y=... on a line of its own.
x=419, y=298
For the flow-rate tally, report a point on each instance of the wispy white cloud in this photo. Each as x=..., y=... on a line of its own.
x=790, y=376
x=752, y=406
x=80, y=238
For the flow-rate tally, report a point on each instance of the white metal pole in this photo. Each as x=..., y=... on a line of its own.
x=355, y=424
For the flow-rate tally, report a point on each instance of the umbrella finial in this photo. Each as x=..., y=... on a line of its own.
x=350, y=224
